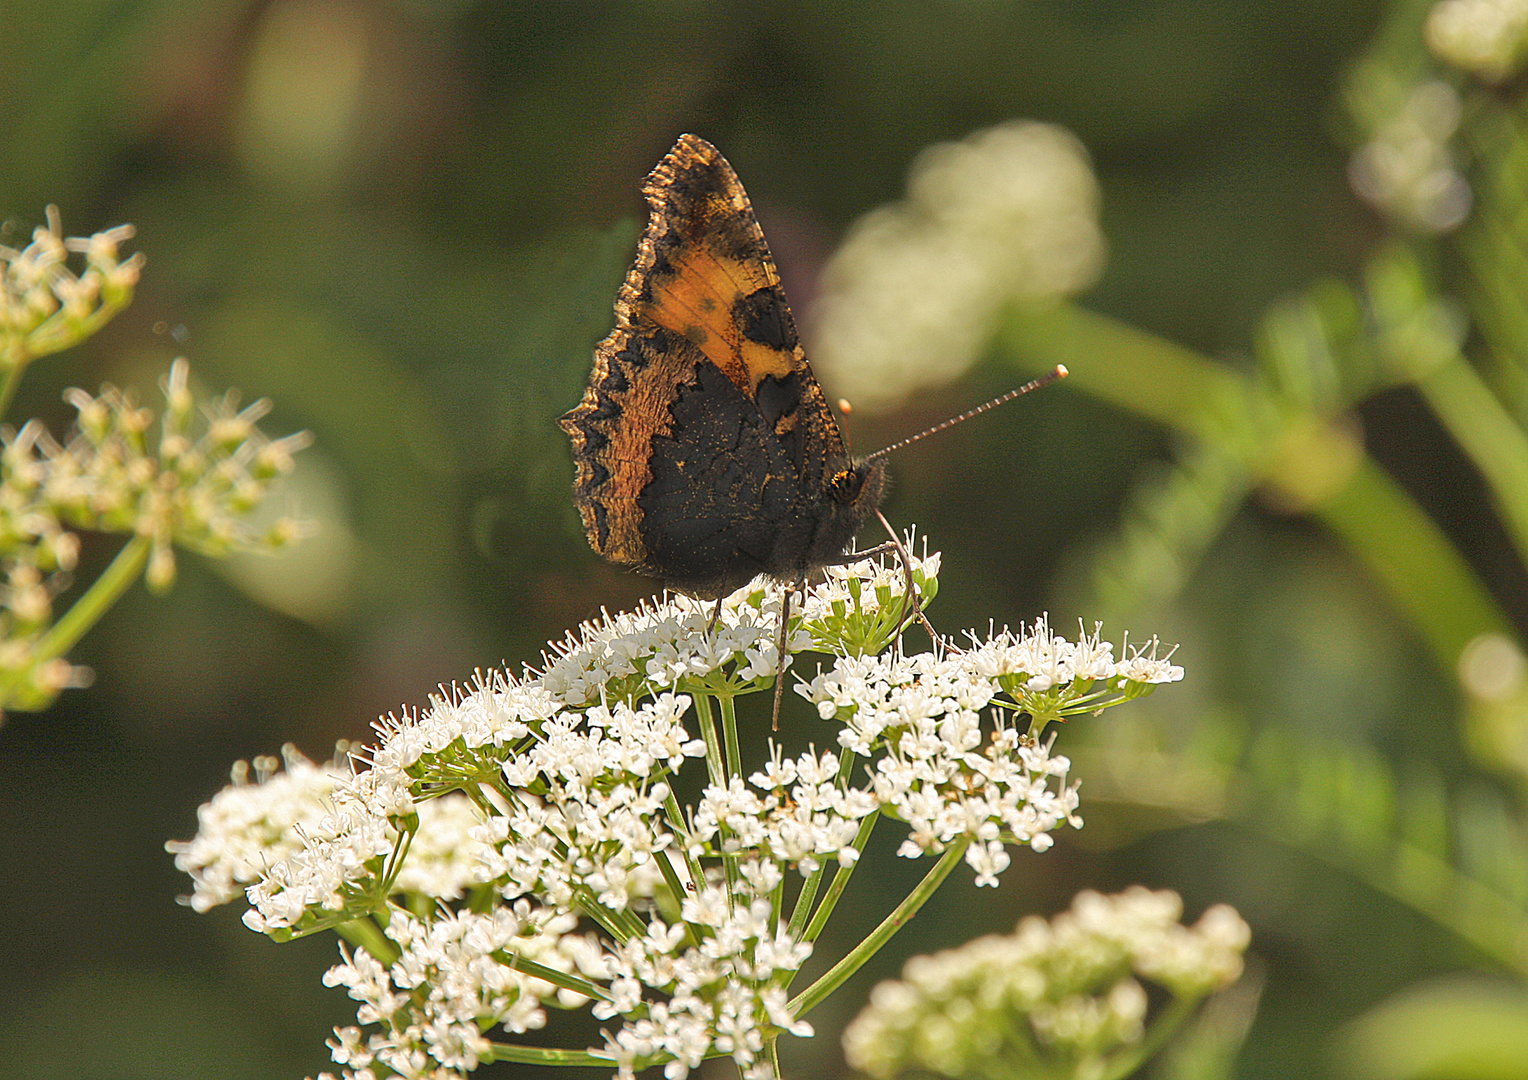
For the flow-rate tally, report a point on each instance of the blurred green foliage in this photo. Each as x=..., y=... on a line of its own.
x=1293, y=440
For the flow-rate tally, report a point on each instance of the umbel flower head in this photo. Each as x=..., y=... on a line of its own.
x=47, y=306
x=521, y=843
x=1052, y=999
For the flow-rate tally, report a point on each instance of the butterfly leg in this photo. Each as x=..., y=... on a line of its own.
x=785, y=621
x=715, y=617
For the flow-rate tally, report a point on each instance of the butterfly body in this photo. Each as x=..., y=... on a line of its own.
x=705, y=450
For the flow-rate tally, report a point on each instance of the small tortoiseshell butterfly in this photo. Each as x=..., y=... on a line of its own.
x=706, y=452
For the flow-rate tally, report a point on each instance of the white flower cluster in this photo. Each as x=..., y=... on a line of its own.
x=1065, y=994
x=248, y=828
x=196, y=488
x=551, y=802
x=455, y=973
x=912, y=297
x=1485, y=37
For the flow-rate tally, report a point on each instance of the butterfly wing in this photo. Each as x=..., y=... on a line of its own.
x=703, y=441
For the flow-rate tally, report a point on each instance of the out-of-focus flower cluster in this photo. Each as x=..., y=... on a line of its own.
x=913, y=295
x=1407, y=167
x=1053, y=999
x=563, y=869
x=46, y=306
x=196, y=485
x=1487, y=38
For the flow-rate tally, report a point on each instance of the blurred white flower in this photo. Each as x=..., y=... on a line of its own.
x=1053, y=998
x=1407, y=168
x=914, y=293
x=1484, y=37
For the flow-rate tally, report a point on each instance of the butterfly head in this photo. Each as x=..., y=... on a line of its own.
x=858, y=488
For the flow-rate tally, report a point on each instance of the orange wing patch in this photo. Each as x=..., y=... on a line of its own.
x=708, y=275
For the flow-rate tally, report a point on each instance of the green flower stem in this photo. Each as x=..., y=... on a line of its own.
x=840, y=880
x=1126, y=1062
x=734, y=753
x=13, y=373
x=365, y=934
x=1414, y=561
x=105, y=591
x=719, y=776
x=714, y=767
x=545, y=1055
x=772, y=1048
x=676, y=816
x=835, y=977
x=808, y=893
x=514, y=962
x=1489, y=435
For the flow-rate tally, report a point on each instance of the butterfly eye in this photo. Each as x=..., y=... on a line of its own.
x=845, y=484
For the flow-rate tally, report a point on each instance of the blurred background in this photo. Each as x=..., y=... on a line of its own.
x=1282, y=247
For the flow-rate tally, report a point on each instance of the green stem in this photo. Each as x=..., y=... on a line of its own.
x=714, y=767
x=1166, y=1025
x=1489, y=435
x=105, y=591
x=546, y=1055
x=13, y=375
x=515, y=962
x=365, y=934
x=840, y=880
x=676, y=816
x=734, y=753
x=803, y=908
x=835, y=977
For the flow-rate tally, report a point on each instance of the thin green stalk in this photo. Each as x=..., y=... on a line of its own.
x=545, y=1055
x=714, y=767
x=808, y=893
x=719, y=776
x=13, y=375
x=515, y=962
x=365, y=934
x=840, y=880
x=105, y=591
x=1486, y=432
x=835, y=977
x=676, y=815
x=734, y=753
x=1166, y=1025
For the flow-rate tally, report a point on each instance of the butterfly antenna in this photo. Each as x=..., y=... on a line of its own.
x=1056, y=374
x=845, y=409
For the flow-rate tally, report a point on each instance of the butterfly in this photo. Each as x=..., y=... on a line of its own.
x=705, y=451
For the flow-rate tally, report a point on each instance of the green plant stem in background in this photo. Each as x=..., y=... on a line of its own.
x=1414, y=561
x=1400, y=545
x=1494, y=442
x=98, y=599
x=1163, y=1028
x=835, y=976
